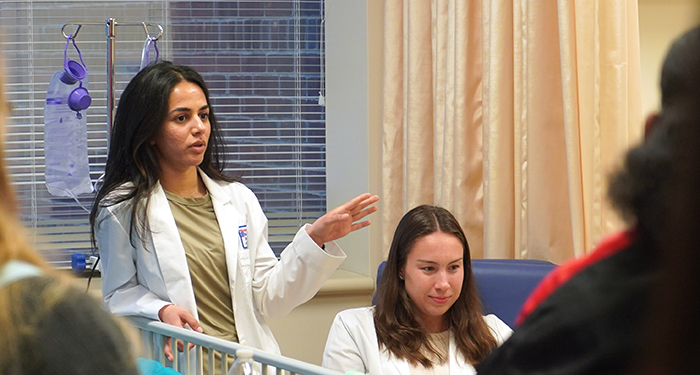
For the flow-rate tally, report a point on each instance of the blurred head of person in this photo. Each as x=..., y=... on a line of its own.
x=640, y=189
x=669, y=344
x=51, y=327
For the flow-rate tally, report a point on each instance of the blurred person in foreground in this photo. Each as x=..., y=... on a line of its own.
x=587, y=317
x=48, y=325
x=670, y=343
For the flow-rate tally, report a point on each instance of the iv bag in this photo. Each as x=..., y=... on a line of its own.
x=65, y=140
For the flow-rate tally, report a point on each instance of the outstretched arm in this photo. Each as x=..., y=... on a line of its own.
x=342, y=220
x=303, y=268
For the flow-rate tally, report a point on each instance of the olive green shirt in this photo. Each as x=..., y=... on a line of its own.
x=206, y=259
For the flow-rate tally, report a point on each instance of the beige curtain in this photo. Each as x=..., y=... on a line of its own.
x=511, y=114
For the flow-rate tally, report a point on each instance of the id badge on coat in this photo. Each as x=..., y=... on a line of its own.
x=243, y=235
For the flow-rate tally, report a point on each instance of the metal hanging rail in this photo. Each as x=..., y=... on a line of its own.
x=111, y=33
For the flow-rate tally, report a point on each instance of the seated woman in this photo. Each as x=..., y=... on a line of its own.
x=428, y=317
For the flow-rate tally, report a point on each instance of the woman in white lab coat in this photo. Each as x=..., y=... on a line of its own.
x=428, y=316
x=180, y=241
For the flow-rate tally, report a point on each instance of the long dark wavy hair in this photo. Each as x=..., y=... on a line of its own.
x=142, y=111
x=398, y=327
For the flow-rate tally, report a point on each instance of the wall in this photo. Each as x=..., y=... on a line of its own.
x=660, y=22
x=302, y=334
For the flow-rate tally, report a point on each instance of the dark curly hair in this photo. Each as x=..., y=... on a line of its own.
x=638, y=189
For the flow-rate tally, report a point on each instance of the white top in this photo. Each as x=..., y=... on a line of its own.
x=441, y=342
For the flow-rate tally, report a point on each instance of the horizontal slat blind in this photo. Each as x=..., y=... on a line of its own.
x=260, y=59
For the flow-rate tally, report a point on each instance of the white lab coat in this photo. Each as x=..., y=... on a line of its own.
x=352, y=345
x=140, y=280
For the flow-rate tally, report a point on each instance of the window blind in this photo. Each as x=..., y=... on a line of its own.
x=261, y=61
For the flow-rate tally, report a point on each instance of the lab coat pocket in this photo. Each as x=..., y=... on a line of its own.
x=244, y=257
x=244, y=265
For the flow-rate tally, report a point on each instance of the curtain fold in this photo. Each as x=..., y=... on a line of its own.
x=432, y=112
x=511, y=114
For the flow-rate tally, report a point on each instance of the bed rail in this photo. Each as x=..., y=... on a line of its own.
x=154, y=334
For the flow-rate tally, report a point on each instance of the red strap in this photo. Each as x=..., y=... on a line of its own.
x=608, y=246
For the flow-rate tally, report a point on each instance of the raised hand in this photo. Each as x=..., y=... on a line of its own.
x=177, y=316
x=342, y=220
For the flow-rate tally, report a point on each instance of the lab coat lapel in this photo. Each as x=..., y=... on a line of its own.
x=170, y=252
x=228, y=224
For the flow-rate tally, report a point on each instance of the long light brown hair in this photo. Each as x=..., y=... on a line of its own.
x=398, y=327
x=13, y=244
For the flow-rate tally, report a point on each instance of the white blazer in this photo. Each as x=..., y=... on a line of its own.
x=140, y=280
x=352, y=345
